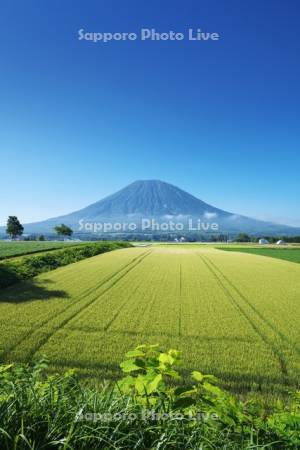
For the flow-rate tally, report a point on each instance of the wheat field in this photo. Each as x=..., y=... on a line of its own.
x=234, y=315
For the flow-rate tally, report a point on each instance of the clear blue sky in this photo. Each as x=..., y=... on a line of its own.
x=80, y=120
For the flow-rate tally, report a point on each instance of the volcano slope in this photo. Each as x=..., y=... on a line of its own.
x=234, y=315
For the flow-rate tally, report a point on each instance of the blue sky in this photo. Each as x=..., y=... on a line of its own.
x=80, y=120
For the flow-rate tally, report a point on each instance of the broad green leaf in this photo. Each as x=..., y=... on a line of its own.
x=185, y=390
x=164, y=358
x=197, y=376
x=129, y=366
x=213, y=389
x=134, y=354
x=125, y=384
x=154, y=384
x=184, y=402
x=141, y=385
x=210, y=378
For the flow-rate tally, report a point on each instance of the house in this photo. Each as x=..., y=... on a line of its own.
x=263, y=241
x=281, y=242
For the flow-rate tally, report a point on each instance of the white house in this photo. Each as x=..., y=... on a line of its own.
x=281, y=242
x=263, y=241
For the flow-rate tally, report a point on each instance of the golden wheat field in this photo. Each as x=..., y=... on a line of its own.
x=234, y=315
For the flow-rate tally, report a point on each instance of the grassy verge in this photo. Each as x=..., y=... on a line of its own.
x=146, y=409
x=13, y=271
x=288, y=254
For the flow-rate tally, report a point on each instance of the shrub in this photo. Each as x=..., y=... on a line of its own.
x=17, y=270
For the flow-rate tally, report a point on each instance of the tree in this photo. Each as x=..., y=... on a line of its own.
x=243, y=237
x=63, y=230
x=14, y=227
x=41, y=237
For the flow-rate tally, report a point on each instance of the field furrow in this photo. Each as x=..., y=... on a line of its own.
x=61, y=313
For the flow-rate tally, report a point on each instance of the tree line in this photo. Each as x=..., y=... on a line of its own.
x=15, y=229
x=244, y=237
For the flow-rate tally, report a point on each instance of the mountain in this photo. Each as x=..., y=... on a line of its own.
x=148, y=198
x=161, y=202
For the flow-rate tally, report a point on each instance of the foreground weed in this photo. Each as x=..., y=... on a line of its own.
x=149, y=408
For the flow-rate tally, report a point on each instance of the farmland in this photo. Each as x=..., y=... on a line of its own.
x=232, y=314
x=288, y=254
x=10, y=249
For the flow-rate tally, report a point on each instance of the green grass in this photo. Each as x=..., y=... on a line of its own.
x=288, y=254
x=231, y=314
x=10, y=249
x=142, y=410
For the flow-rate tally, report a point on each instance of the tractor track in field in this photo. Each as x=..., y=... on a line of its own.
x=149, y=306
x=81, y=297
x=115, y=316
x=117, y=313
x=180, y=300
x=65, y=321
x=277, y=353
x=267, y=322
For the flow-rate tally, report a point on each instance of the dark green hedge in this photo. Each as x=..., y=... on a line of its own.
x=12, y=272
